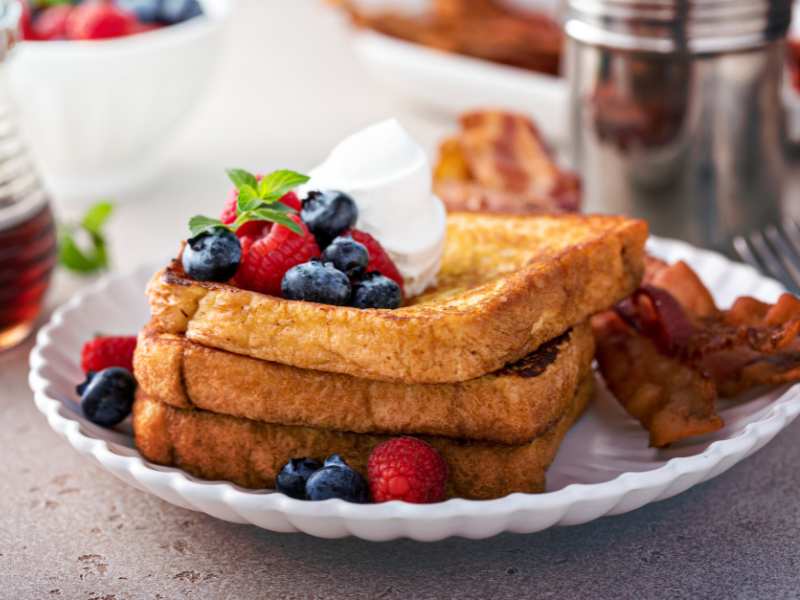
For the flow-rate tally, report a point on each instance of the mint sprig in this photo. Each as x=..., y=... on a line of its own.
x=82, y=245
x=258, y=201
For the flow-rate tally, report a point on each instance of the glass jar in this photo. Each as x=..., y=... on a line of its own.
x=28, y=245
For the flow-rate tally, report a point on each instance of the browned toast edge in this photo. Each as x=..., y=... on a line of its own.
x=524, y=310
x=510, y=406
x=250, y=454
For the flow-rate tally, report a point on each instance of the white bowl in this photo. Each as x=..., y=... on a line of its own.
x=97, y=114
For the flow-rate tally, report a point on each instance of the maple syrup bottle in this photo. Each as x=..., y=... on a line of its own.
x=28, y=244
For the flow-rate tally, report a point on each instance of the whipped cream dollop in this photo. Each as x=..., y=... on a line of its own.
x=389, y=176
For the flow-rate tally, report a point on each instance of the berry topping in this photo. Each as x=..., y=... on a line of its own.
x=316, y=281
x=337, y=481
x=334, y=460
x=269, y=258
x=376, y=291
x=379, y=259
x=252, y=228
x=292, y=201
x=110, y=351
x=107, y=397
x=212, y=256
x=294, y=475
x=98, y=20
x=259, y=199
x=406, y=469
x=328, y=214
x=348, y=256
x=51, y=23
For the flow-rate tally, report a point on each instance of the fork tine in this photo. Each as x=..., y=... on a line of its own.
x=792, y=231
x=771, y=262
x=743, y=250
x=786, y=253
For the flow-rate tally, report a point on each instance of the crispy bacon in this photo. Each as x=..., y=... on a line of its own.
x=499, y=163
x=670, y=399
x=487, y=29
x=675, y=342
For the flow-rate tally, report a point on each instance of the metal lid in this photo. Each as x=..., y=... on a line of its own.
x=669, y=26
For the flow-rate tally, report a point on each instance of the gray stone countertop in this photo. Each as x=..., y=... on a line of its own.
x=70, y=530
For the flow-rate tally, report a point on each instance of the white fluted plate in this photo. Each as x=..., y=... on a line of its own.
x=604, y=467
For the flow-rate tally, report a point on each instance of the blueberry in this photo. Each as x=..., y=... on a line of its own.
x=81, y=387
x=146, y=11
x=328, y=214
x=212, y=256
x=335, y=460
x=376, y=291
x=348, y=256
x=177, y=11
x=108, y=397
x=293, y=476
x=337, y=481
x=315, y=281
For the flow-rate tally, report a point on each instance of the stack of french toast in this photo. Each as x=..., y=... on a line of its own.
x=491, y=366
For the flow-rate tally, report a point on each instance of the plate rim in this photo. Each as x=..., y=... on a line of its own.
x=740, y=444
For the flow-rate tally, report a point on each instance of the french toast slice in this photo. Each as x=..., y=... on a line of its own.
x=507, y=285
x=251, y=454
x=510, y=406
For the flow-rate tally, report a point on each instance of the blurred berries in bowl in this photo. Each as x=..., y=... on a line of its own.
x=48, y=20
x=102, y=85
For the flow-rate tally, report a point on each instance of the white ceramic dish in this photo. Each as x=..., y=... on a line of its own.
x=452, y=84
x=97, y=114
x=605, y=466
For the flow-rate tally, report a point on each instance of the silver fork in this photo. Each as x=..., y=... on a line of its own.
x=774, y=250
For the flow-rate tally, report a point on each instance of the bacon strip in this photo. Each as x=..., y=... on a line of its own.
x=670, y=399
x=499, y=163
x=668, y=351
x=486, y=29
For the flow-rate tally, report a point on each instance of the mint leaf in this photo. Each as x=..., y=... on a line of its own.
x=278, y=183
x=276, y=216
x=248, y=199
x=240, y=178
x=81, y=260
x=96, y=217
x=82, y=245
x=199, y=224
x=257, y=201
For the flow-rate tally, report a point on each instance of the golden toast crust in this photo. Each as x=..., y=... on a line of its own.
x=507, y=285
x=251, y=454
x=510, y=406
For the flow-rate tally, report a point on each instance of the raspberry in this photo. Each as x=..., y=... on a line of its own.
x=103, y=352
x=379, y=260
x=252, y=228
x=406, y=469
x=51, y=23
x=98, y=20
x=228, y=215
x=291, y=200
x=266, y=260
x=25, y=21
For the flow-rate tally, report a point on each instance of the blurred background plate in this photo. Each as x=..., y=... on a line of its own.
x=453, y=84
